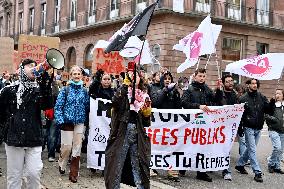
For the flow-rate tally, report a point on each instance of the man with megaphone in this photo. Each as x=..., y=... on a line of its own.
x=20, y=119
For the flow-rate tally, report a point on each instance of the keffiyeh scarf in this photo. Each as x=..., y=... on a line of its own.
x=26, y=84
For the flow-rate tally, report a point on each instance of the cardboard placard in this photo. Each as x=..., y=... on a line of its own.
x=6, y=54
x=111, y=63
x=35, y=47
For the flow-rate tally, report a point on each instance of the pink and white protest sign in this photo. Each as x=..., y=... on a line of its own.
x=182, y=139
x=200, y=42
x=263, y=67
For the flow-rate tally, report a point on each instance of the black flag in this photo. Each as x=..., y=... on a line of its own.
x=137, y=26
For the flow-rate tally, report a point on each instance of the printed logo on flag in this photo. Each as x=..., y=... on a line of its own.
x=257, y=66
x=195, y=44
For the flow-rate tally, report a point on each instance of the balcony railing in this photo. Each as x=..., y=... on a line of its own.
x=217, y=8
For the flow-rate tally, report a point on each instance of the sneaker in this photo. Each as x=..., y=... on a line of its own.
x=258, y=177
x=278, y=171
x=271, y=169
x=228, y=176
x=0, y=172
x=51, y=159
x=62, y=172
x=247, y=163
x=152, y=173
x=241, y=169
x=203, y=176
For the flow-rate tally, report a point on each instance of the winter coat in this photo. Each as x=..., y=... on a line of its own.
x=255, y=106
x=153, y=88
x=166, y=99
x=24, y=126
x=197, y=94
x=97, y=91
x=275, y=119
x=74, y=107
x=226, y=98
x=119, y=121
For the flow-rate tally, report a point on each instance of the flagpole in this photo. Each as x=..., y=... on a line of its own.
x=208, y=61
x=135, y=70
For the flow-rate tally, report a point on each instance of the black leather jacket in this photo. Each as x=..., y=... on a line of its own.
x=256, y=106
x=23, y=125
x=197, y=94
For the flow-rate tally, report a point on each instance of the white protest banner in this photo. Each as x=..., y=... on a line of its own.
x=263, y=67
x=99, y=121
x=180, y=139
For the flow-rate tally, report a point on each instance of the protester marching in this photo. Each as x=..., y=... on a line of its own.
x=132, y=125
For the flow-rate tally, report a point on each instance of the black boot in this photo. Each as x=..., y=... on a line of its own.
x=203, y=176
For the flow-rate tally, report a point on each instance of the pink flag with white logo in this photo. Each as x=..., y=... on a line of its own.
x=263, y=67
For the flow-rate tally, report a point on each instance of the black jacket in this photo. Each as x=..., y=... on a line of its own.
x=275, y=119
x=226, y=98
x=24, y=127
x=97, y=91
x=255, y=106
x=197, y=94
x=153, y=88
x=166, y=99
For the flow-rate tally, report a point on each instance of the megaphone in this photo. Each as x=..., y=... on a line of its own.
x=54, y=59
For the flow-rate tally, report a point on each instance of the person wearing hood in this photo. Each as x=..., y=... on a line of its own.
x=71, y=115
x=199, y=96
x=20, y=116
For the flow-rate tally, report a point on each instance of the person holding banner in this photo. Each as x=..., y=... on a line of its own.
x=128, y=151
x=252, y=123
x=20, y=115
x=168, y=97
x=71, y=115
x=199, y=96
x=275, y=121
x=225, y=95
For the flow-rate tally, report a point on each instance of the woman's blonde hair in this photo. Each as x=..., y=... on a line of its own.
x=75, y=67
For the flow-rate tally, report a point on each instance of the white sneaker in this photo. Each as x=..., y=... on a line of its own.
x=152, y=173
x=228, y=177
x=51, y=159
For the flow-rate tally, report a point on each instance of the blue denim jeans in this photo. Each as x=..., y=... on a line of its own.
x=252, y=137
x=51, y=135
x=242, y=144
x=277, y=141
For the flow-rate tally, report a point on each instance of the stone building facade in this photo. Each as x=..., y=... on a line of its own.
x=250, y=27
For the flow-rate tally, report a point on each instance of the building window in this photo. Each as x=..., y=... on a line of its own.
x=140, y=5
x=234, y=9
x=262, y=48
x=73, y=13
x=43, y=15
x=231, y=49
x=113, y=9
x=92, y=11
x=262, y=12
x=89, y=57
x=32, y=15
x=57, y=12
x=203, y=6
x=8, y=24
x=1, y=27
x=21, y=16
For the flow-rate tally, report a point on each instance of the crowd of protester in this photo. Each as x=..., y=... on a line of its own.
x=61, y=109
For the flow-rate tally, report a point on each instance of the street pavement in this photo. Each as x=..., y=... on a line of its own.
x=52, y=180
